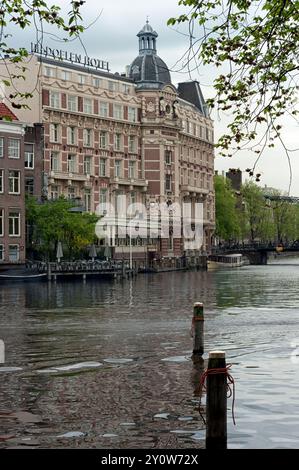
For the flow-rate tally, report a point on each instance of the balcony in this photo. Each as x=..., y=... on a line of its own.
x=188, y=190
x=64, y=175
x=129, y=182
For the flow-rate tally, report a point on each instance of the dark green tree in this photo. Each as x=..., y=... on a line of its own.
x=54, y=221
x=227, y=220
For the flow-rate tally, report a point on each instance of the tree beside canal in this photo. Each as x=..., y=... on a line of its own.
x=227, y=218
x=53, y=221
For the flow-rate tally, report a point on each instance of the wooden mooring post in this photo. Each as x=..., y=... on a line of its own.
x=198, y=328
x=216, y=404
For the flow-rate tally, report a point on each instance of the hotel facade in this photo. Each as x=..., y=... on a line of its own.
x=134, y=134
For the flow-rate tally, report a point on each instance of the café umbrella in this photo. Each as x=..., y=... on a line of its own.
x=92, y=252
x=59, y=252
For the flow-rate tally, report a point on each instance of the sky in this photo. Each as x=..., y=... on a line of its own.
x=112, y=37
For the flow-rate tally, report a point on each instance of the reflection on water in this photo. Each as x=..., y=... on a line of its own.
x=108, y=365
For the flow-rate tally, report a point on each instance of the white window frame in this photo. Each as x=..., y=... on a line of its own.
x=71, y=163
x=117, y=168
x=132, y=114
x=1, y=147
x=18, y=252
x=72, y=103
x=131, y=169
x=87, y=106
x=55, y=133
x=168, y=178
x=65, y=75
x=168, y=157
x=117, y=142
x=87, y=164
x=87, y=200
x=82, y=79
x=87, y=137
x=132, y=144
x=16, y=224
x=49, y=71
x=103, y=139
x=13, y=180
x=103, y=167
x=16, y=150
x=104, y=109
x=1, y=252
x=1, y=222
x=29, y=157
x=103, y=195
x=54, y=193
x=2, y=181
x=55, y=99
x=96, y=82
x=71, y=135
x=118, y=111
x=57, y=159
x=71, y=192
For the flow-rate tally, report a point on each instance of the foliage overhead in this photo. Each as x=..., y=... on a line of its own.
x=32, y=14
x=256, y=43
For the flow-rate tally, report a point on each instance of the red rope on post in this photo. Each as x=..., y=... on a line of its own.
x=230, y=385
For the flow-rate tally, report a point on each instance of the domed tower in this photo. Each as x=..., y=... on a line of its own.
x=148, y=70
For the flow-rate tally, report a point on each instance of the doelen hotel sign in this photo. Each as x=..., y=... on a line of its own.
x=69, y=57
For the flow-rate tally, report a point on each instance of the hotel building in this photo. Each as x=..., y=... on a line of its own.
x=133, y=134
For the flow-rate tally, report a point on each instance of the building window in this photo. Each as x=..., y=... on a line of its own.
x=65, y=75
x=29, y=186
x=71, y=163
x=71, y=192
x=103, y=140
x=132, y=144
x=72, y=103
x=133, y=197
x=13, y=253
x=1, y=147
x=49, y=72
x=54, y=133
x=87, y=165
x=82, y=79
x=71, y=136
x=111, y=86
x=168, y=157
x=1, y=252
x=168, y=183
x=13, y=148
x=87, y=137
x=103, y=109
x=54, y=99
x=103, y=196
x=131, y=169
x=87, y=105
x=97, y=82
x=54, y=161
x=1, y=181
x=1, y=222
x=54, y=192
x=14, y=226
x=87, y=200
x=117, y=141
x=132, y=114
x=102, y=166
x=117, y=168
x=29, y=156
x=118, y=111
x=14, y=182
x=126, y=88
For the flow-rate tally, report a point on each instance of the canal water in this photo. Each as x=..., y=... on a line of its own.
x=108, y=364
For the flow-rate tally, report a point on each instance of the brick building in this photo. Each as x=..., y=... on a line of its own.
x=133, y=134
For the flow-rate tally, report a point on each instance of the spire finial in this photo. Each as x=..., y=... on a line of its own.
x=147, y=19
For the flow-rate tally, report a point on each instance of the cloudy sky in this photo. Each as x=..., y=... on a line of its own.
x=113, y=38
